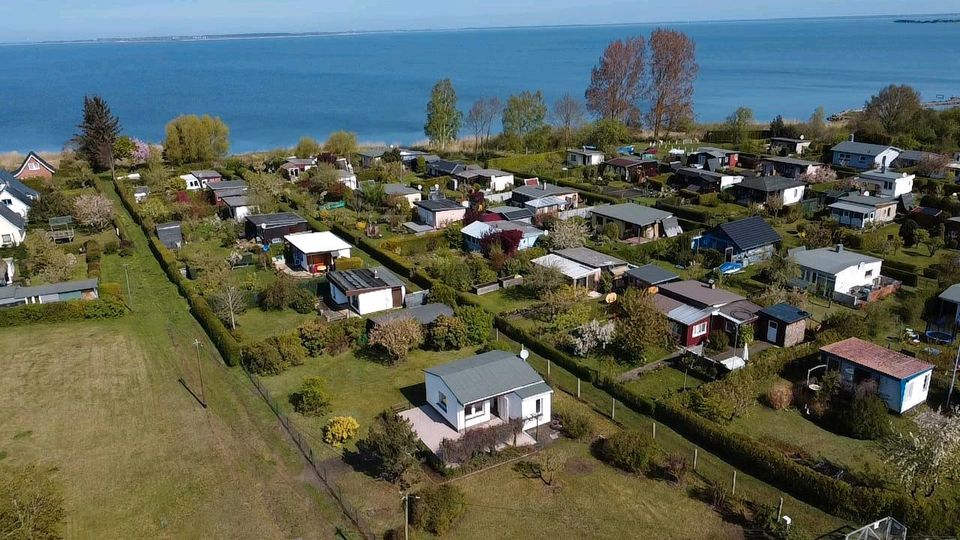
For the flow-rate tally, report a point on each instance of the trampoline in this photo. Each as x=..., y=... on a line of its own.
x=942, y=338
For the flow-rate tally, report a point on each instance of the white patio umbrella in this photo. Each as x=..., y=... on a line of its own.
x=746, y=353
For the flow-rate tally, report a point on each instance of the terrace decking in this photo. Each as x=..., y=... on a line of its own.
x=433, y=429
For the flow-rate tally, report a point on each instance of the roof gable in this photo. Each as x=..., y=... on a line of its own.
x=33, y=156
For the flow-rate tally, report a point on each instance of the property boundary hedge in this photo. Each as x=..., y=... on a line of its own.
x=56, y=312
x=228, y=345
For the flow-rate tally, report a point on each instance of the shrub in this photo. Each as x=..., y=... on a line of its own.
x=104, y=308
x=780, y=395
x=290, y=348
x=111, y=290
x=278, y=294
x=313, y=336
x=438, y=508
x=311, y=399
x=630, y=450
x=478, y=321
x=676, y=466
x=390, y=444
x=443, y=294
x=263, y=358
x=447, y=333
x=719, y=341
x=576, y=424
x=340, y=429
x=303, y=301
x=397, y=337
x=111, y=247
x=344, y=335
x=867, y=418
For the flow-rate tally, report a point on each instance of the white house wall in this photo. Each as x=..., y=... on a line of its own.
x=793, y=195
x=528, y=409
x=337, y=295
x=374, y=301
x=16, y=204
x=856, y=276
x=14, y=233
x=478, y=419
x=500, y=183
x=728, y=181
x=454, y=413
x=914, y=393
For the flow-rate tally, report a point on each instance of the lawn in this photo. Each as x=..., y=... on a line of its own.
x=590, y=500
x=257, y=324
x=101, y=405
x=505, y=300
x=358, y=386
x=662, y=382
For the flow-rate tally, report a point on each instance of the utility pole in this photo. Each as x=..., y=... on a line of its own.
x=203, y=394
x=406, y=514
x=127, y=276
x=953, y=378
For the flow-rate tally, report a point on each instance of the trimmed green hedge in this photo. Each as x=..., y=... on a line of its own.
x=228, y=345
x=56, y=312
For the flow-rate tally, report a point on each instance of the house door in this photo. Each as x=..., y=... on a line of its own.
x=772, y=329
x=495, y=407
x=397, y=298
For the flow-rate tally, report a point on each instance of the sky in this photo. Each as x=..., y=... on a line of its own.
x=43, y=20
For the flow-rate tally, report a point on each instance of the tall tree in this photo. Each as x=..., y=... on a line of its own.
x=893, y=107
x=673, y=69
x=480, y=119
x=307, y=147
x=617, y=82
x=98, y=133
x=443, y=118
x=341, y=143
x=817, y=125
x=524, y=113
x=738, y=125
x=568, y=115
x=195, y=139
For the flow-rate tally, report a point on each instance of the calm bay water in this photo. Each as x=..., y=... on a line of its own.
x=272, y=91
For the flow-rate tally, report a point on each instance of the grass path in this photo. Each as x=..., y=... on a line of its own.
x=101, y=403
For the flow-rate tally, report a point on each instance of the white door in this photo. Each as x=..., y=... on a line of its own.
x=772, y=331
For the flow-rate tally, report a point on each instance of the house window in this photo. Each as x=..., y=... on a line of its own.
x=538, y=406
x=7, y=239
x=442, y=402
x=926, y=382
x=7, y=202
x=869, y=273
x=700, y=329
x=473, y=410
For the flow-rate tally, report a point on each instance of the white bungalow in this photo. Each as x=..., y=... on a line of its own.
x=366, y=290
x=316, y=251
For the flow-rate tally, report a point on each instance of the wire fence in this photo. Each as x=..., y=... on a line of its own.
x=315, y=460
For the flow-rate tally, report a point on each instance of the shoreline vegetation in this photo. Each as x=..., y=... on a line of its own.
x=928, y=21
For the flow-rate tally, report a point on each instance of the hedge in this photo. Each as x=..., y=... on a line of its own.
x=56, y=312
x=414, y=245
x=228, y=345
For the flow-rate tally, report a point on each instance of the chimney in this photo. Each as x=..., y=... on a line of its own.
x=851, y=138
x=883, y=165
x=712, y=284
x=376, y=274
x=839, y=248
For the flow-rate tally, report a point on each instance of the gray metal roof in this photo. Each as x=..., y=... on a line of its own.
x=399, y=189
x=589, y=257
x=749, y=233
x=227, y=184
x=447, y=166
x=170, y=234
x=439, y=205
x=55, y=288
x=485, y=375
x=275, y=220
x=787, y=313
x=632, y=213
x=14, y=218
x=791, y=161
x=26, y=192
x=425, y=314
x=206, y=173
x=952, y=294
x=512, y=212
x=235, y=201
x=699, y=292
x=364, y=279
x=769, y=184
x=545, y=190
x=533, y=390
x=652, y=274
x=866, y=149
x=829, y=260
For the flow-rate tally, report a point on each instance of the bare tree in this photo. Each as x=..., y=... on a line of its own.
x=94, y=211
x=570, y=233
x=479, y=119
x=230, y=301
x=929, y=455
x=617, y=82
x=568, y=114
x=673, y=69
x=933, y=165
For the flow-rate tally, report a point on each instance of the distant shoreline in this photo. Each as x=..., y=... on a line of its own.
x=927, y=21
x=308, y=34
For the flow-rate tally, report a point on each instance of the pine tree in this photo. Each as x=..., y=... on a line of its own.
x=98, y=134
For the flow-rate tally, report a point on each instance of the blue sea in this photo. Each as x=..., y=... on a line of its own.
x=272, y=91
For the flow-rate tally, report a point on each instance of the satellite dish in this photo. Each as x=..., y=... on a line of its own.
x=815, y=387
x=524, y=354
x=610, y=298
x=419, y=187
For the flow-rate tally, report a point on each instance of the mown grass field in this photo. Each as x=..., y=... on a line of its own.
x=100, y=403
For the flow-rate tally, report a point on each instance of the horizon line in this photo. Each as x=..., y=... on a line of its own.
x=334, y=33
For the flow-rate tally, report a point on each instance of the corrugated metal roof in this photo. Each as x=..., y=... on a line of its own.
x=364, y=279
x=571, y=269
x=632, y=213
x=749, y=233
x=785, y=312
x=590, y=257
x=485, y=375
x=851, y=147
